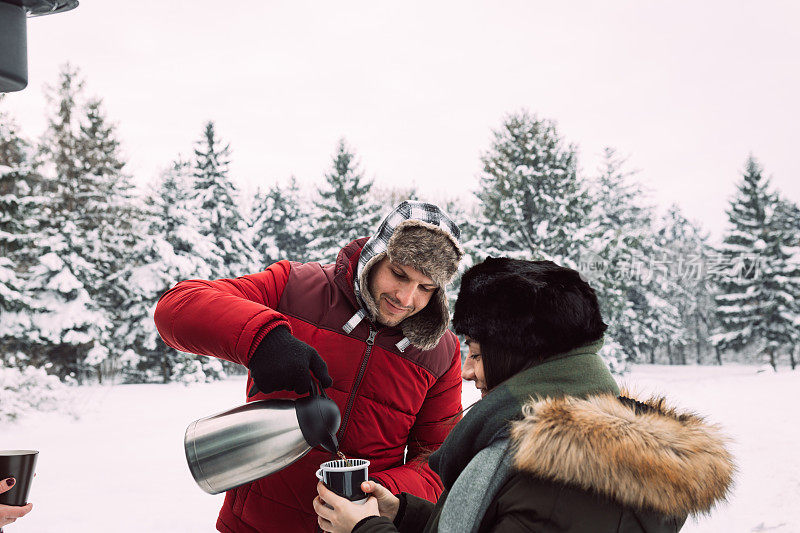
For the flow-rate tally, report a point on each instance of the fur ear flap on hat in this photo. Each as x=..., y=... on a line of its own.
x=363, y=280
x=536, y=308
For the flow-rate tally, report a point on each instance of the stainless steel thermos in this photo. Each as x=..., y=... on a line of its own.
x=254, y=440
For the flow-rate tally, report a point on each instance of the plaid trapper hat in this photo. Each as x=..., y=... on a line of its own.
x=422, y=236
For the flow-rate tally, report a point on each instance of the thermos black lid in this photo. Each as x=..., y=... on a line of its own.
x=13, y=48
x=319, y=419
x=14, y=37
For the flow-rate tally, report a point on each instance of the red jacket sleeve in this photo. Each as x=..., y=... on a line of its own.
x=225, y=318
x=439, y=413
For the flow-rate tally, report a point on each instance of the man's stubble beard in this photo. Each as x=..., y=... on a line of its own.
x=386, y=321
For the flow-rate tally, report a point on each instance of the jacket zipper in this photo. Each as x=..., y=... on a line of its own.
x=352, y=399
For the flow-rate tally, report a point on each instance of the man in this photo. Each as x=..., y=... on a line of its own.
x=371, y=328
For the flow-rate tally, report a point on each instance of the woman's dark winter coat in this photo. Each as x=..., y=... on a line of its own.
x=599, y=464
x=555, y=448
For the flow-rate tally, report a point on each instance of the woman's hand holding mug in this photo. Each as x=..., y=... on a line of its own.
x=10, y=513
x=339, y=515
x=388, y=503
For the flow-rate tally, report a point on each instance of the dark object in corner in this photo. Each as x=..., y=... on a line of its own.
x=14, y=37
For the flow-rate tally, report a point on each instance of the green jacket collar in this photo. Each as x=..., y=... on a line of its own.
x=580, y=372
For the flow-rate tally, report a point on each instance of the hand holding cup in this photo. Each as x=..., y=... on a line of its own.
x=388, y=503
x=20, y=466
x=339, y=515
x=10, y=513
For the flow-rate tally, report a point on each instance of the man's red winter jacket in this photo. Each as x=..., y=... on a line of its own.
x=388, y=399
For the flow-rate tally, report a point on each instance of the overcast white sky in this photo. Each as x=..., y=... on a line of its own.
x=686, y=89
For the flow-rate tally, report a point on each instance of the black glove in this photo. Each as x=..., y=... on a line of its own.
x=282, y=362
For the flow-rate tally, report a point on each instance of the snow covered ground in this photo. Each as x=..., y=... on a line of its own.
x=121, y=468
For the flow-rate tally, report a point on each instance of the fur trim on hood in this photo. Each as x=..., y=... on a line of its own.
x=639, y=454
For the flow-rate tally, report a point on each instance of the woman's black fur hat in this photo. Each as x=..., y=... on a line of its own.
x=536, y=308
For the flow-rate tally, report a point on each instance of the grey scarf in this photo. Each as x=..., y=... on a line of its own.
x=475, y=489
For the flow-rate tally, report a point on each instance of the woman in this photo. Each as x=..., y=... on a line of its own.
x=551, y=446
